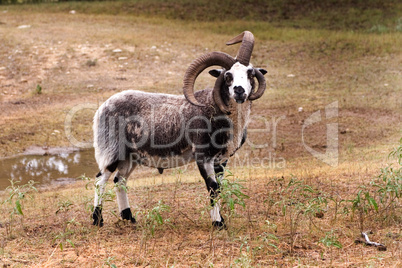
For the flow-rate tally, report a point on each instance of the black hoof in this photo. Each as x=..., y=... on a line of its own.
x=220, y=225
x=126, y=215
x=97, y=217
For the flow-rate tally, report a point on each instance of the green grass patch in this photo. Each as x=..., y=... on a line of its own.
x=367, y=16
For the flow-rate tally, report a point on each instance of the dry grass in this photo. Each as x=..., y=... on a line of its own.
x=71, y=57
x=258, y=235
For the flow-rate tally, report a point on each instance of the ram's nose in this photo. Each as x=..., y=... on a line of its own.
x=239, y=95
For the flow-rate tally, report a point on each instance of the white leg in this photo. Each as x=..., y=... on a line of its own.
x=215, y=213
x=208, y=173
x=99, y=191
x=100, y=187
x=121, y=191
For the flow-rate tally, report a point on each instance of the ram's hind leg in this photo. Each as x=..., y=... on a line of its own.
x=120, y=181
x=101, y=180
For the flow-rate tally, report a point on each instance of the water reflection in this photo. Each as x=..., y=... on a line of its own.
x=62, y=168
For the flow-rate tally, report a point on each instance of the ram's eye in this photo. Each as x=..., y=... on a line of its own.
x=250, y=73
x=228, y=78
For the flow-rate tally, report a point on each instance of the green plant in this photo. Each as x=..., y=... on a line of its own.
x=388, y=185
x=38, y=89
x=330, y=241
x=108, y=262
x=383, y=193
x=91, y=63
x=154, y=219
x=16, y=196
x=62, y=238
x=89, y=203
x=64, y=206
x=245, y=259
x=268, y=237
x=300, y=200
x=230, y=194
x=363, y=203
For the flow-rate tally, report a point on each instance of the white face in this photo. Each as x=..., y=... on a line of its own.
x=239, y=81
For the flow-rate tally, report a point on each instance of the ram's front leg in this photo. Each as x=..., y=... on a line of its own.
x=207, y=170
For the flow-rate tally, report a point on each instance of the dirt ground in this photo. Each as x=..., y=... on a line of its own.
x=51, y=63
x=60, y=61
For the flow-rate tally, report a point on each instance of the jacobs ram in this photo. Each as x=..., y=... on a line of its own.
x=165, y=131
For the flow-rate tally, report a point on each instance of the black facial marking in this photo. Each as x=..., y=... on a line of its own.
x=99, y=174
x=238, y=90
x=160, y=170
x=97, y=216
x=250, y=73
x=228, y=78
x=127, y=215
x=239, y=96
x=116, y=179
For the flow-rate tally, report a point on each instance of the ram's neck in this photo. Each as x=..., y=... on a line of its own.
x=240, y=116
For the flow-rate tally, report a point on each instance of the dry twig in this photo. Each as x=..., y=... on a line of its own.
x=367, y=242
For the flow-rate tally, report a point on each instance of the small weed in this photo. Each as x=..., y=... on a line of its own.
x=64, y=206
x=330, y=241
x=245, y=259
x=154, y=219
x=38, y=89
x=300, y=200
x=91, y=63
x=108, y=262
x=268, y=237
x=63, y=237
x=388, y=185
x=16, y=197
x=230, y=194
x=362, y=203
x=382, y=194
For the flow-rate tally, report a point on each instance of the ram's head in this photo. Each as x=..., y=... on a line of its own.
x=236, y=79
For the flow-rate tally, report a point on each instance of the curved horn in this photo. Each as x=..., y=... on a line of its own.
x=246, y=48
x=261, y=86
x=217, y=94
x=213, y=58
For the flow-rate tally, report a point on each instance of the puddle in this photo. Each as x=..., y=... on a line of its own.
x=53, y=166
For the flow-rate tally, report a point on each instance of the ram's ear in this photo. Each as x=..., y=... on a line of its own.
x=215, y=72
x=263, y=71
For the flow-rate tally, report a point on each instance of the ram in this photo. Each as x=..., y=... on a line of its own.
x=164, y=131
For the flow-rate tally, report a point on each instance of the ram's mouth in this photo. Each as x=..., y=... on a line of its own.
x=240, y=98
